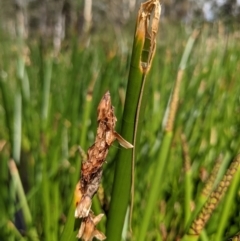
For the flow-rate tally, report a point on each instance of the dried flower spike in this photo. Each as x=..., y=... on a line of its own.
x=214, y=199
x=91, y=170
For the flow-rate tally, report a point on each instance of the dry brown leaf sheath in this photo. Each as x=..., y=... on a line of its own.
x=91, y=169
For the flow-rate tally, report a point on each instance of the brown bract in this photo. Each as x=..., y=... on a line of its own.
x=88, y=229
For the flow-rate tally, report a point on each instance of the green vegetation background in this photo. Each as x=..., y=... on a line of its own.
x=48, y=107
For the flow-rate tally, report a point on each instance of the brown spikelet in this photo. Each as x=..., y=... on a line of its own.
x=236, y=237
x=210, y=181
x=214, y=199
x=185, y=150
x=174, y=102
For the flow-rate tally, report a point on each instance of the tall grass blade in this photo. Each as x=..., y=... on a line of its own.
x=187, y=181
x=72, y=225
x=17, y=235
x=6, y=103
x=47, y=75
x=213, y=200
x=166, y=142
x=70, y=231
x=23, y=77
x=136, y=98
x=17, y=127
x=23, y=201
x=227, y=206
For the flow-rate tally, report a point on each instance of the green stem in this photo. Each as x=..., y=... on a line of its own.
x=154, y=192
x=136, y=99
x=226, y=210
x=22, y=199
x=17, y=127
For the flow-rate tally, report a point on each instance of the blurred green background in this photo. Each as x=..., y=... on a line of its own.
x=58, y=58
